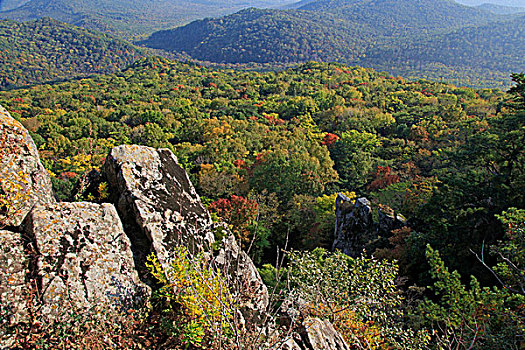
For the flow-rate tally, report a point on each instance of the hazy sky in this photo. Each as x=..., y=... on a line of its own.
x=519, y=3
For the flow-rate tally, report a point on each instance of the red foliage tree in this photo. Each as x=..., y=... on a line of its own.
x=330, y=139
x=240, y=213
x=383, y=178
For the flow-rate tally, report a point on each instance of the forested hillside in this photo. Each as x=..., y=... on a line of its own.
x=262, y=36
x=295, y=136
x=436, y=39
x=47, y=50
x=478, y=53
x=268, y=151
x=126, y=18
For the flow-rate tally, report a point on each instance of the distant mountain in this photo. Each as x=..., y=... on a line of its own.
x=496, y=49
x=130, y=19
x=322, y=29
x=11, y=4
x=47, y=50
x=401, y=17
x=411, y=39
x=497, y=46
x=501, y=10
x=512, y=3
x=263, y=36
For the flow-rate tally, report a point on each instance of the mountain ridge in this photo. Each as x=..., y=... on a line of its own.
x=502, y=10
x=127, y=18
x=290, y=36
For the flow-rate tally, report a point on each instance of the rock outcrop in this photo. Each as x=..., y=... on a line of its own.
x=315, y=334
x=155, y=193
x=355, y=228
x=84, y=258
x=310, y=333
x=252, y=292
x=321, y=335
x=24, y=182
x=13, y=272
x=87, y=256
x=353, y=225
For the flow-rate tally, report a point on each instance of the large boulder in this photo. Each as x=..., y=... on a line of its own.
x=84, y=259
x=321, y=335
x=14, y=290
x=24, y=182
x=156, y=194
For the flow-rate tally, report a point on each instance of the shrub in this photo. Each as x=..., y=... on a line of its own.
x=199, y=307
x=358, y=296
x=471, y=317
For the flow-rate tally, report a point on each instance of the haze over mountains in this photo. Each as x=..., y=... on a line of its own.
x=128, y=19
x=515, y=3
x=435, y=39
x=502, y=10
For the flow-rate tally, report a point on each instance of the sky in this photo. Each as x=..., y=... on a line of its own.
x=518, y=3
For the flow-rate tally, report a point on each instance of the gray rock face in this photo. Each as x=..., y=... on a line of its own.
x=24, y=182
x=355, y=229
x=253, y=293
x=85, y=260
x=309, y=333
x=353, y=226
x=388, y=221
x=322, y=335
x=289, y=344
x=156, y=193
x=13, y=272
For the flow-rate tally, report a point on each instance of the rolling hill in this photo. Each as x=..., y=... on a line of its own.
x=497, y=47
x=502, y=10
x=46, y=50
x=262, y=36
x=129, y=19
x=401, y=17
x=411, y=38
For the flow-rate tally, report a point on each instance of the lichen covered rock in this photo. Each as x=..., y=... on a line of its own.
x=14, y=289
x=252, y=292
x=156, y=193
x=321, y=335
x=24, y=182
x=84, y=258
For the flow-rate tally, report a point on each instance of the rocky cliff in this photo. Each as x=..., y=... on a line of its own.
x=91, y=257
